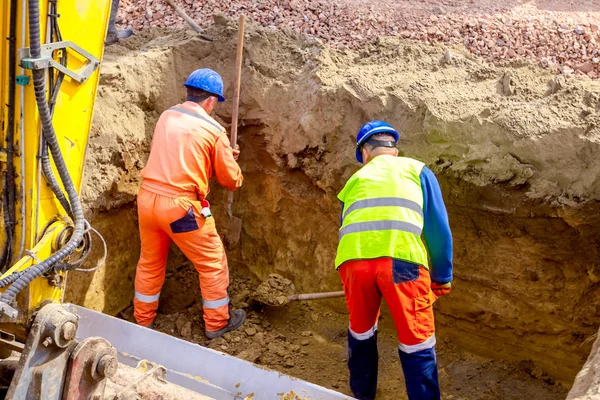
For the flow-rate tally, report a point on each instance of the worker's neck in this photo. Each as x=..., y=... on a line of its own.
x=205, y=105
x=371, y=157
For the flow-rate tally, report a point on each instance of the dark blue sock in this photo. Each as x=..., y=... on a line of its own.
x=421, y=374
x=362, y=363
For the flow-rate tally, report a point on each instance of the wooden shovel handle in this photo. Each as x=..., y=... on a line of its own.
x=236, y=98
x=237, y=82
x=316, y=296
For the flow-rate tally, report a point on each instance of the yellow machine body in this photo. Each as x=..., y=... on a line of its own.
x=37, y=231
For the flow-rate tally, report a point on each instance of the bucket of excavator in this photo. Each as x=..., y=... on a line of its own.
x=207, y=372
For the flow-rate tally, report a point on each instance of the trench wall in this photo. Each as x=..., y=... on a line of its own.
x=513, y=147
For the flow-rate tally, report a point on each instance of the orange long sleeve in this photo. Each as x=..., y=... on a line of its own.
x=227, y=170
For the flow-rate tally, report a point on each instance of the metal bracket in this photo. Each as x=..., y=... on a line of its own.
x=92, y=361
x=11, y=312
x=22, y=80
x=46, y=60
x=41, y=370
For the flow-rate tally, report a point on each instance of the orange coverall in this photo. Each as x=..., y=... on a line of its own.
x=188, y=148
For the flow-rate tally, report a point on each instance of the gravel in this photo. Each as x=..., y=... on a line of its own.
x=563, y=37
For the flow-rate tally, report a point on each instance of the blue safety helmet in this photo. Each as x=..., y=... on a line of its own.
x=369, y=129
x=207, y=80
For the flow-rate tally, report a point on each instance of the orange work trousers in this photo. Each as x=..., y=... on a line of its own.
x=164, y=220
x=406, y=288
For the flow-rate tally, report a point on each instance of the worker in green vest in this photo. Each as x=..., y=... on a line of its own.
x=388, y=207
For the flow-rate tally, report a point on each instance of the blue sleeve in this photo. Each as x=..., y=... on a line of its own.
x=342, y=214
x=436, y=230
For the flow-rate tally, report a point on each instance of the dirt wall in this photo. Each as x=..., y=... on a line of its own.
x=513, y=146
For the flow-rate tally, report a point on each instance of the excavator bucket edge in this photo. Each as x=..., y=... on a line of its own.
x=203, y=370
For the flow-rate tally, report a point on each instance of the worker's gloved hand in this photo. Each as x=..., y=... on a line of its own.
x=441, y=289
x=236, y=152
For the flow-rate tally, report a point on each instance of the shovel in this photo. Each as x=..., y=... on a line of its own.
x=277, y=291
x=233, y=232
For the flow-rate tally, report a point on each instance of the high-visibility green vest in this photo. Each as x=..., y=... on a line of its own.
x=383, y=212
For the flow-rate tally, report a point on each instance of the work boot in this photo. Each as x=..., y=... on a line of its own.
x=114, y=37
x=236, y=319
x=125, y=33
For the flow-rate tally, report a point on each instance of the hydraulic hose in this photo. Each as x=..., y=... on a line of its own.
x=53, y=183
x=10, y=279
x=9, y=187
x=54, y=89
x=39, y=83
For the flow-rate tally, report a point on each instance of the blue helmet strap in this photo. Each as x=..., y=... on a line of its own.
x=381, y=143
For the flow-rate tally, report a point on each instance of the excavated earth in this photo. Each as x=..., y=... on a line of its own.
x=514, y=147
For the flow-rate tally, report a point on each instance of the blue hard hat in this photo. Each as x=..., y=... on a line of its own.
x=369, y=129
x=207, y=80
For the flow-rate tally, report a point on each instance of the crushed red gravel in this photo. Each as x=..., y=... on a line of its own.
x=560, y=34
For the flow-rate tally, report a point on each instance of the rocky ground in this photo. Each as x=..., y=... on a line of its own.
x=561, y=35
x=308, y=340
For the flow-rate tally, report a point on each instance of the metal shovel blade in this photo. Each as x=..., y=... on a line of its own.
x=232, y=232
x=277, y=291
x=233, y=228
x=274, y=291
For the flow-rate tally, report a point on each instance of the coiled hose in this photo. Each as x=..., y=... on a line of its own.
x=39, y=84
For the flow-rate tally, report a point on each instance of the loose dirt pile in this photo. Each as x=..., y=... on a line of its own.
x=507, y=30
x=292, y=396
x=133, y=384
x=515, y=150
x=275, y=290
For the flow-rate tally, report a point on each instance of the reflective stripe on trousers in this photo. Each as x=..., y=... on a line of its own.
x=363, y=336
x=215, y=303
x=413, y=348
x=146, y=299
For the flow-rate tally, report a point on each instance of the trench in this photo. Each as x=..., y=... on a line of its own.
x=519, y=180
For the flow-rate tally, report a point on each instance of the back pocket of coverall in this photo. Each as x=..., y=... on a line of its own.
x=403, y=271
x=187, y=223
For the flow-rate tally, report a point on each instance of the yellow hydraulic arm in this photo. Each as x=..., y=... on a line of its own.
x=39, y=214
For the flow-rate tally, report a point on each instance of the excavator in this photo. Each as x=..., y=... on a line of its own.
x=49, y=71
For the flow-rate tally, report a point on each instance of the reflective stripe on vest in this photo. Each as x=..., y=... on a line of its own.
x=196, y=115
x=383, y=212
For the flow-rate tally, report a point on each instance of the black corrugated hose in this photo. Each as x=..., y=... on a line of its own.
x=8, y=187
x=39, y=83
x=54, y=89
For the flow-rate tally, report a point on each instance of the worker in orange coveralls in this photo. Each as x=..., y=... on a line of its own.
x=188, y=148
x=386, y=206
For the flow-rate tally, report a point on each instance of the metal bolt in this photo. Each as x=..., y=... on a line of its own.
x=107, y=366
x=68, y=331
x=47, y=342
